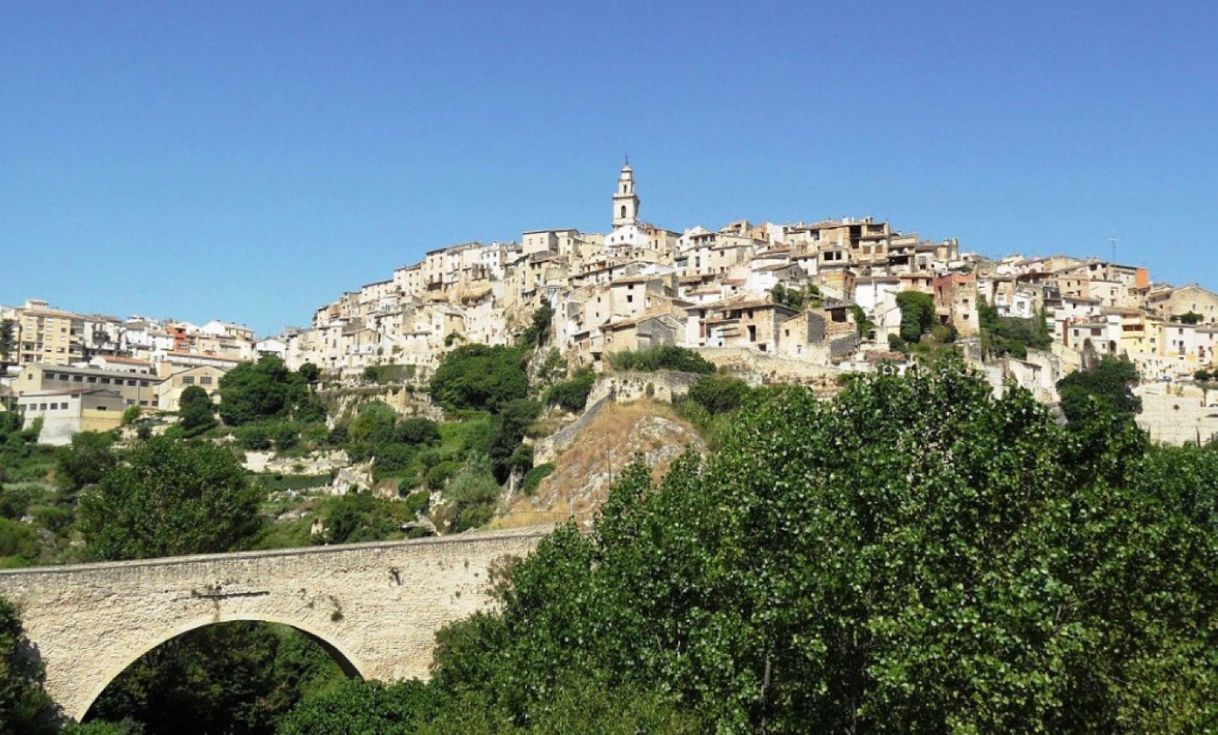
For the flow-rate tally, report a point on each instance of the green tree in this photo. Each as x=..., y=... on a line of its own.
x=1106, y=388
x=539, y=327
x=417, y=430
x=1188, y=317
x=239, y=678
x=170, y=497
x=364, y=707
x=310, y=373
x=719, y=393
x=917, y=314
x=104, y=727
x=24, y=705
x=1001, y=335
x=479, y=377
x=84, y=462
x=913, y=556
x=572, y=395
x=374, y=424
x=260, y=390
x=664, y=357
x=866, y=326
x=7, y=342
x=196, y=411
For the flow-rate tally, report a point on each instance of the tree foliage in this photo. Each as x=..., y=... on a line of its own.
x=196, y=411
x=913, y=556
x=572, y=395
x=797, y=298
x=239, y=678
x=539, y=327
x=719, y=393
x=85, y=460
x=479, y=377
x=170, y=497
x=261, y=390
x=917, y=314
x=1008, y=335
x=664, y=357
x=1104, y=390
x=7, y=342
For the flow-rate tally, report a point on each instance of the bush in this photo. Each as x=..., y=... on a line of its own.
x=719, y=393
x=665, y=357
x=472, y=493
x=572, y=395
x=417, y=430
x=438, y=476
x=1003, y=335
x=391, y=458
x=479, y=377
x=253, y=437
x=374, y=423
x=130, y=415
x=533, y=479
x=17, y=539
x=86, y=460
x=286, y=436
x=539, y=327
x=418, y=502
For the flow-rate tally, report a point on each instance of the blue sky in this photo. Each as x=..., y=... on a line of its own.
x=251, y=161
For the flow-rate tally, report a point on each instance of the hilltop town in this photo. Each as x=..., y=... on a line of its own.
x=797, y=302
x=782, y=303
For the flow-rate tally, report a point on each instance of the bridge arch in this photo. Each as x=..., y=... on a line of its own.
x=347, y=661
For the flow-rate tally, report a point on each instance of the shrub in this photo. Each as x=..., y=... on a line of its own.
x=286, y=436
x=572, y=395
x=253, y=436
x=417, y=430
x=260, y=390
x=532, y=480
x=130, y=415
x=393, y=457
x=664, y=357
x=374, y=423
x=17, y=539
x=418, y=502
x=719, y=393
x=472, y=493
x=438, y=476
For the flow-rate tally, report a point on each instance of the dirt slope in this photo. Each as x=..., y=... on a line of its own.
x=586, y=468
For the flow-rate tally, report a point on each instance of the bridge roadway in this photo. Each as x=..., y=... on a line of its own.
x=375, y=606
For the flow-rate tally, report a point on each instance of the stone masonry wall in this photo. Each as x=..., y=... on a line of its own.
x=376, y=605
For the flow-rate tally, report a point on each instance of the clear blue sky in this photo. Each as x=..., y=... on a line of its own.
x=252, y=160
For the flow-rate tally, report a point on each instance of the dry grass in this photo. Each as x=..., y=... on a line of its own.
x=586, y=469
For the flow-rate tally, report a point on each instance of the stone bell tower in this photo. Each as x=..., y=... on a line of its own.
x=625, y=201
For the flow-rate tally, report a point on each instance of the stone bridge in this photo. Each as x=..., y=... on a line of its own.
x=375, y=607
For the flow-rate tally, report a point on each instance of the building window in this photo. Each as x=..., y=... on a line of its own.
x=205, y=380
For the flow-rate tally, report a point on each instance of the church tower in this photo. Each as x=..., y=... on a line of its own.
x=625, y=201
